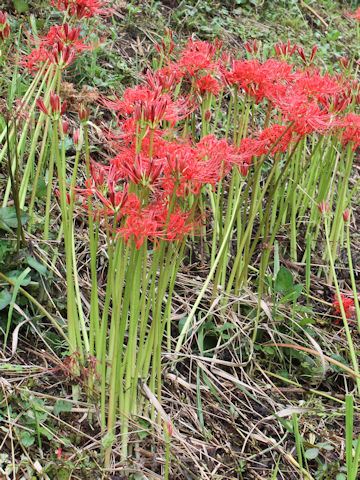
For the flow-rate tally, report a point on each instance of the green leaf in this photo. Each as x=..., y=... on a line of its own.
x=145, y=425
x=5, y=298
x=15, y=274
x=312, y=453
x=340, y=359
x=8, y=218
x=284, y=281
x=33, y=263
x=293, y=293
x=41, y=188
x=62, y=406
x=27, y=438
x=21, y=6
x=341, y=476
x=108, y=440
x=62, y=474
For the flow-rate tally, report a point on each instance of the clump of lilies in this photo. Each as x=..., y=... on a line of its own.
x=259, y=143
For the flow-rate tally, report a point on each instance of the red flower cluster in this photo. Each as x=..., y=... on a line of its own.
x=4, y=26
x=82, y=8
x=163, y=167
x=348, y=303
x=355, y=15
x=60, y=46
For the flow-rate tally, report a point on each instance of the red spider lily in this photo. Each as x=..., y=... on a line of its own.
x=344, y=62
x=59, y=452
x=355, y=14
x=64, y=35
x=142, y=226
x=56, y=109
x=77, y=136
x=351, y=129
x=36, y=57
x=84, y=113
x=284, y=50
x=307, y=116
x=188, y=168
x=149, y=105
x=127, y=149
x=260, y=80
x=164, y=79
x=4, y=26
x=166, y=48
x=144, y=171
x=82, y=8
x=180, y=224
x=64, y=126
x=348, y=304
x=336, y=103
x=251, y=48
x=60, y=46
x=198, y=56
x=317, y=86
x=62, y=55
x=207, y=83
x=346, y=215
x=301, y=52
x=280, y=135
x=105, y=197
x=324, y=206
x=250, y=147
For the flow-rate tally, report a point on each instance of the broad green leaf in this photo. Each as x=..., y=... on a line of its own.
x=293, y=293
x=33, y=263
x=341, y=476
x=312, y=453
x=284, y=281
x=21, y=6
x=41, y=188
x=27, y=438
x=108, y=440
x=5, y=298
x=62, y=406
x=14, y=275
x=145, y=425
x=8, y=219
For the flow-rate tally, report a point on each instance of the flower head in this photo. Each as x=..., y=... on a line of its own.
x=348, y=304
x=4, y=26
x=355, y=14
x=82, y=8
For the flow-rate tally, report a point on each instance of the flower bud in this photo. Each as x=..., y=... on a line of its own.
x=41, y=106
x=346, y=215
x=54, y=102
x=78, y=139
x=324, y=206
x=84, y=113
x=169, y=429
x=4, y=26
x=313, y=51
x=65, y=126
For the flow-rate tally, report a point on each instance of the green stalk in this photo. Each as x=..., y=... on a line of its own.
x=49, y=188
x=93, y=237
x=343, y=314
x=21, y=145
x=226, y=237
x=44, y=144
x=14, y=186
x=340, y=205
x=352, y=276
x=73, y=320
